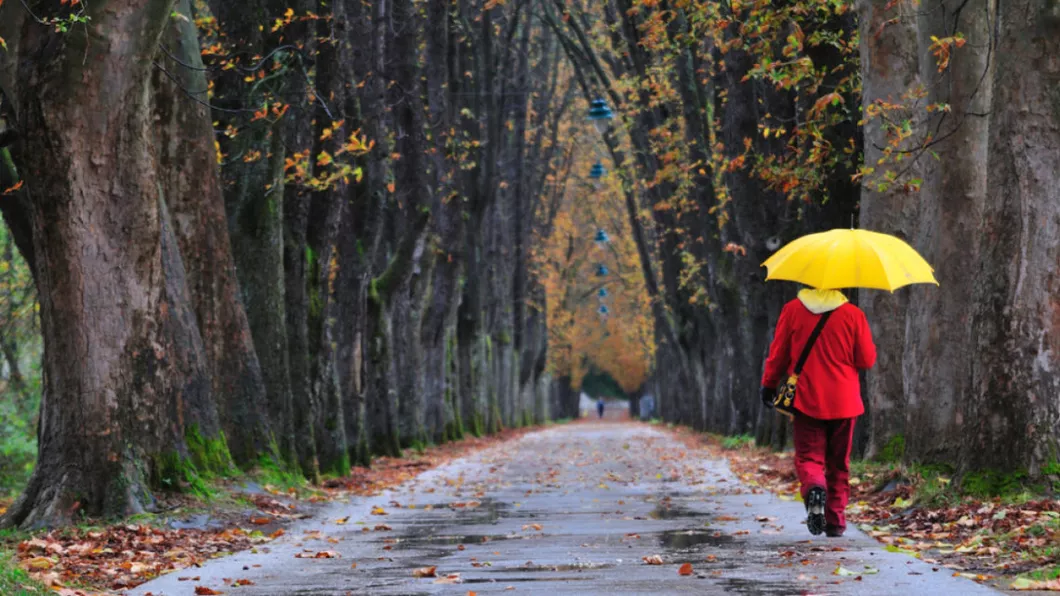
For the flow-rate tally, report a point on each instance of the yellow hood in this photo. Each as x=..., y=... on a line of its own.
x=822, y=301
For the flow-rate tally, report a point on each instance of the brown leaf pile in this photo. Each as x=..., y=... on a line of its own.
x=122, y=557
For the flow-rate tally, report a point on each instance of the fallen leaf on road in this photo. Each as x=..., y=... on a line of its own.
x=425, y=572
x=261, y=521
x=532, y=527
x=452, y=578
x=685, y=569
x=242, y=582
x=324, y=554
x=382, y=528
x=378, y=511
x=343, y=521
x=204, y=591
x=653, y=560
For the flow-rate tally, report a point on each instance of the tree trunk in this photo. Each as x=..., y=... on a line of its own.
x=188, y=176
x=889, y=66
x=938, y=357
x=126, y=372
x=1012, y=410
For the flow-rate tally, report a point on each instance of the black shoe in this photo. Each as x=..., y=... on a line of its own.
x=815, y=499
x=834, y=531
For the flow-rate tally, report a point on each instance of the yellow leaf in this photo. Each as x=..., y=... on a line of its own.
x=39, y=563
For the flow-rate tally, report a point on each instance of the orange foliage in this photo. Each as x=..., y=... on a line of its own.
x=622, y=342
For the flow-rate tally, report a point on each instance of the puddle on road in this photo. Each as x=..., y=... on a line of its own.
x=735, y=585
x=588, y=566
x=487, y=511
x=671, y=511
x=411, y=542
x=681, y=540
x=519, y=580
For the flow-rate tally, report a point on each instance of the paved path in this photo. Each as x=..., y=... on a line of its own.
x=570, y=510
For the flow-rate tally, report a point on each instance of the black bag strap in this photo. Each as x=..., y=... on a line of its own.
x=813, y=339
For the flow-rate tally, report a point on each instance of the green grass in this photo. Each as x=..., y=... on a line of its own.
x=277, y=474
x=16, y=582
x=737, y=442
x=1044, y=574
x=939, y=486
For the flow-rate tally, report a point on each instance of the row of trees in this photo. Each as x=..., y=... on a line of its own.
x=293, y=232
x=312, y=232
x=746, y=124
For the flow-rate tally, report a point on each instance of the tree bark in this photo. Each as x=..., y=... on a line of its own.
x=937, y=363
x=188, y=176
x=890, y=68
x=126, y=372
x=1011, y=411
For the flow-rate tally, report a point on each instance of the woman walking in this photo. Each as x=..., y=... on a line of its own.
x=838, y=343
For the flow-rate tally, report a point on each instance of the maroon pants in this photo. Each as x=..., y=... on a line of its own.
x=822, y=458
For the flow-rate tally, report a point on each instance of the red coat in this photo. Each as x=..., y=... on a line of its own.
x=828, y=388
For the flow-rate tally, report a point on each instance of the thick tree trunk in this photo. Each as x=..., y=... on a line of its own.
x=127, y=375
x=938, y=348
x=188, y=176
x=1011, y=410
x=889, y=66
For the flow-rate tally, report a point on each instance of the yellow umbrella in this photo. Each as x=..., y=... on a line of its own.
x=850, y=259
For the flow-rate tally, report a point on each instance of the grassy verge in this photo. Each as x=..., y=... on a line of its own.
x=16, y=582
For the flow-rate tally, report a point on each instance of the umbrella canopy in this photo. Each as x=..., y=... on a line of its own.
x=850, y=259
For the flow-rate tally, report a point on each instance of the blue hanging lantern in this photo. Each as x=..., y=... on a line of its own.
x=602, y=310
x=601, y=271
x=602, y=293
x=600, y=114
x=601, y=236
x=597, y=172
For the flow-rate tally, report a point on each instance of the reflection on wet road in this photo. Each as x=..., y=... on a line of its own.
x=591, y=508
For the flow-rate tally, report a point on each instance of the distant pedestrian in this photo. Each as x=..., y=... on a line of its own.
x=828, y=399
x=600, y=407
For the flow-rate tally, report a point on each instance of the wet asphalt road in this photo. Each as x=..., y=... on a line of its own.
x=569, y=510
